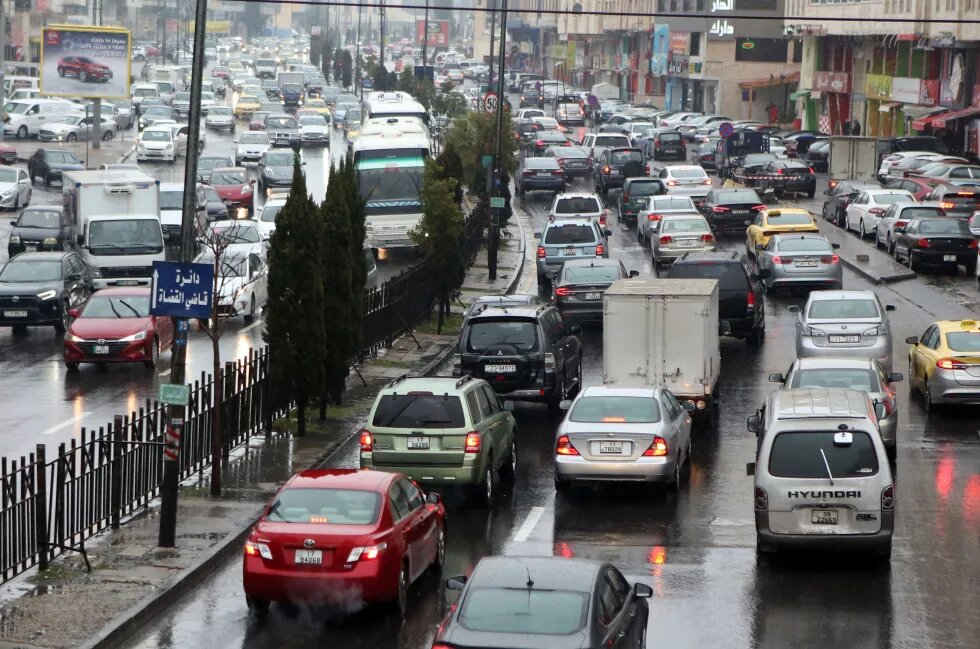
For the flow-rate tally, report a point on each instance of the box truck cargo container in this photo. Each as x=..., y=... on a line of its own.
x=853, y=158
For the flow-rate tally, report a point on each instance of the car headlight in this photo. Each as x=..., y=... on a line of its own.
x=270, y=172
x=73, y=338
x=47, y=295
x=169, y=147
x=50, y=241
x=14, y=238
x=140, y=335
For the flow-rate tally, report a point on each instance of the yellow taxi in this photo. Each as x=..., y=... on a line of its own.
x=246, y=105
x=944, y=363
x=778, y=221
x=320, y=106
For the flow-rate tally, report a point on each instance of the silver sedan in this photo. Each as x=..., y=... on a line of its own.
x=686, y=180
x=656, y=208
x=678, y=234
x=806, y=260
x=620, y=434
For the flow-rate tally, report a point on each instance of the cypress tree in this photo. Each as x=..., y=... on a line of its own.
x=337, y=304
x=357, y=215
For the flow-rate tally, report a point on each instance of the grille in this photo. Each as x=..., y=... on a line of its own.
x=126, y=271
x=114, y=346
x=22, y=302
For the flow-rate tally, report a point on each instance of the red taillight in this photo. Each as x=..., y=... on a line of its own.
x=812, y=171
x=656, y=142
x=758, y=208
x=830, y=259
x=604, y=217
x=901, y=224
x=888, y=498
x=367, y=442
x=657, y=449
x=672, y=183
x=600, y=250
x=654, y=217
x=717, y=209
x=876, y=210
x=562, y=291
x=541, y=254
x=706, y=181
x=779, y=172
x=951, y=364
x=539, y=143
x=527, y=173
x=923, y=243
x=472, y=442
x=557, y=172
x=626, y=198
x=750, y=300
x=564, y=446
x=605, y=169
x=666, y=239
x=973, y=244
x=761, y=499
x=561, y=162
x=781, y=260
x=707, y=238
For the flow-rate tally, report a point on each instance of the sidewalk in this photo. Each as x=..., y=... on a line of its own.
x=116, y=150
x=132, y=580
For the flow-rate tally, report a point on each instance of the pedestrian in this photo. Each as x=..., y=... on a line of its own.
x=855, y=127
x=773, y=114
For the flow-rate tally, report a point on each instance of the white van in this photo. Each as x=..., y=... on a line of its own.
x=822, y=477
x=27, y=116
x=14, y=83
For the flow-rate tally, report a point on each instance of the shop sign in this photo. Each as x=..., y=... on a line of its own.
x=723, y=29
x=906, y=90
x=695, y=67
x=929, y=92
x=557, y=52
x=831, y=82
x=677, y=66
x=680, y=42
x=722, y=5
x=878, y=86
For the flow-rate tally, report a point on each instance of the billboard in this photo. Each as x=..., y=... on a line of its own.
x=438, y=32
x=91, y=62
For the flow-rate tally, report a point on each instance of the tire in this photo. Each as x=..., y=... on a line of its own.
x=400, y=603
x=971, y=267
x=562, y=486
x=927, y=396
x=862, y=234
x=107, y=136
x=61, y=72
x=62, y=324
x=913, y=265
x=72, y=366
x=675, y=481
x=250, y=316
x=508, y=469
x=484, y=492
x=439, y=560
x=554, y=401
x=154, y=355
x=22, y=133
x=82, y=76
x=811, y=193
x=890, y=246
x=72, y=138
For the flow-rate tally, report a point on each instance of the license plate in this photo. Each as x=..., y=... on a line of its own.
x=844, y=339
x=593, y=296
x=824, y=517
x=127, y=282
x=569, y=252
x=544, y=174
x=418, y=443
x=100, y=349
x=309, y=557
x=30, y=248
x=802, y=263
x=15, y=314
x=687, y=243
x=499, y=369
x=611, y=448
x=741, y=212
x=949, y=257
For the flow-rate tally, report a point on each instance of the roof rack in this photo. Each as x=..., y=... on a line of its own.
x=397, y=380
x=463, y=380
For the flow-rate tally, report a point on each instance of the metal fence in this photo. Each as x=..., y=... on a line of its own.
x=49, y=505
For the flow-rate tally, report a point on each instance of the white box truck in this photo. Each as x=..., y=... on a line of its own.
x=114, y=217
x=853, y=158
x=663, y=332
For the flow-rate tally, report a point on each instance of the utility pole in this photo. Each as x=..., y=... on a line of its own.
x=357, y=53
x=493, y=34
x=176, y=414
x=425, y=37
x=498, y=171
x=3, y=50
x=381, y=37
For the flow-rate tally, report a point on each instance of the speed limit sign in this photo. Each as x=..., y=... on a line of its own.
x=490, y=102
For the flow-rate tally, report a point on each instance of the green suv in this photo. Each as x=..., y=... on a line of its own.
x=442, y=431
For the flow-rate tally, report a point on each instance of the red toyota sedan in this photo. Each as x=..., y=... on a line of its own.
x=345, y=538
x=235, y=189
x=115, y=326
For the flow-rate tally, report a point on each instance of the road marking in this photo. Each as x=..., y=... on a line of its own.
x=66, y=423
x=166, y=372
x=250, y=327
x=530, y=522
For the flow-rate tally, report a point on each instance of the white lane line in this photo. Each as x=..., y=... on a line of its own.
x=165, y=372
x=65, y=424
x=250, y=327
x=530, y=522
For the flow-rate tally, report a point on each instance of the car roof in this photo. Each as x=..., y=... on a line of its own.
x=51, y=255
x=785, y=211
x=578, y=195
x=366, y=480
x=842, y=295
x=434, y=384
x=518, y=310
x=683, y=168
x=833, y=362
x=791, y=236
x=621, y=391
x=124, y=290
x=804, y=403
x=549, y=573
x=957, y=325
x=592, y=262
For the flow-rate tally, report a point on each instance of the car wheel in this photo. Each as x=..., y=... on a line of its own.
x=562, y=486
x=72, y=366
x=72, y=138
x=250, y=316
x=154, y=355
x=890, y=245
x=439, y=560
x=258, y=607
x=82, y=76
x=675, y=481
x=22, y=133
x=509, y=468
x=861, y=232
x=970, y=267
x=811, y=193
x=65, y=320
x=554, y=401
x=61, y=72
x=927, y=395
x=913, y=265
x=107, y=136
x=486, y=490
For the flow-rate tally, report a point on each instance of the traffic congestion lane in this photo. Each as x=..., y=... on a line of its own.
x=696, y=550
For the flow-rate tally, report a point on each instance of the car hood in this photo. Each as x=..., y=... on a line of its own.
x=220, y=118
x=111, y=328
x=29, y=288
x=314, y=129
x=156, y=145
x=65, y=166
x=35, y=233
x=229, y=285
x=59, y=127
x=230, y=191
x=253, y=148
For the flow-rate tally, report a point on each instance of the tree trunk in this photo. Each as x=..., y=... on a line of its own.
x=323, y=408
x=301, y=417
x=442, y=308
x=218, y=387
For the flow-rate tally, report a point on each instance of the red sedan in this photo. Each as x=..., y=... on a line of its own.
x=115, y=326
x=919, y=187
x=234, y=188
x=345, y=538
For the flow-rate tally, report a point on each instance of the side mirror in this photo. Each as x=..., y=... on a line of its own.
x=750, y=468
x=793, y=308
x=688, y=406
x=760, y=246
x=81, y=239
x=753, y=423
x=509, y=406
x=835, y=246
x=724, y=328
x=765, y=273
x=634, y=273
x=777, y=378
x=642, y=591
x=896, y=377
x=890, y=307
x=456, y=583
x=575, y=329
x=912, y=340
x=607, y=233
x=899, y=229
x=565, y=404
x=432, y=498
x=880, y=411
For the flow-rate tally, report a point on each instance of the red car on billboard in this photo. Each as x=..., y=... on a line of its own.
x=83, y=68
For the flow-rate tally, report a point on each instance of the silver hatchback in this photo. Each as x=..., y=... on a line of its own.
x=620, y=434
x=853, y=324
x=678, y=234
x=656, y=208
x=800, y=260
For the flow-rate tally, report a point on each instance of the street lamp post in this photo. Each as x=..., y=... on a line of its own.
x=498, y=171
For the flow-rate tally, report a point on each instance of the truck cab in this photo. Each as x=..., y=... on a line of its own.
x=732, y=151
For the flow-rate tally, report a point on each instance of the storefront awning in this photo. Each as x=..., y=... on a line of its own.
x=799, y=93
x=945, y=119
x=771, y=81
x=887, y=106
x=928, y=121
x=915, y=111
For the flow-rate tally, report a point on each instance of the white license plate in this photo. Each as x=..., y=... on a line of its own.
x=824, y=517
x=100, y=349
x=127, y=282
x=593, y=296
x=844, y=339
x=500, y=369
x=569, y=252
x=949, y=257
x=611, y=448
x=15, y=314
x=418, y=443
x=687, y=243
x=805, y=263
x=545, y=174
x=30, y=248
x=309, y=557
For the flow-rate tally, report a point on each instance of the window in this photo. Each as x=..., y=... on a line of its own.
x=846, y=379
x=609, y=604
x=843, y=309
x=333, y=506
x=620, y=586
x=475, y=414
x=492, y=399
x=930, y=338
x=569, y=234
x=964, y=341
x=399, y=503
x=521, y=334
x=485, y=408
x=809, y=454
x=553, y=612
x=412, y=493
x=418, y=410
x=730, y=276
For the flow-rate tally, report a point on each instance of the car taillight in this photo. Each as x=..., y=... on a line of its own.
x=947, y=206
x=604, y=217
x=367, y=442
x=973, y=244
x=761, y=499
x=626, y=197
x=564, y=446
x=672, y=183
x=707, y=238
x=656, y=142
x=781, y=260
x=561, y=162
x=876, y=210
x=600, y=250
x=541, y=253
x=779, y=172
x=901, y=224
x=472, y=442
x=923, y=243
x=605, y=169
x=717, y=209
x=812, y=171
x=539, y=143
x=706, y=181
x=527, y=173
x=750, y=300
x=666, y=239
x=888, y=498
x=830, y=259
x=649, y=171
x=951, y=364
x=758, y=208
x=549, y=361
x=557, y=172
x=254, y=548
x=654, y=217
x=562, y=291
x=366, y=552
x=657, y=449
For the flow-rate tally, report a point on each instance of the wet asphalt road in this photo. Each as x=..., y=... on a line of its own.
x=45, y=404
x=696, y=550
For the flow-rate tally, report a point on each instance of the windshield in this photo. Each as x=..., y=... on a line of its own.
x=611, y=140
x=835, y=377
x=964, y=341
x=415, y=410
x=62, y=156
x=789, y=219
x=254, y=138
x=943, y=226
x=803, y=245
x=8, y=175
x=390, y=186
x=622, y=157
x=39, y=219
x=157, y=111
x=525, y=611
x=220, y=110
x=113, y=236
x=292, y=87
x=577, y=205
x=16, y=109
x=520, y=335
x=610, y=409
x=843, y=309
x=281, y=122
x=229, y=177
x=645, y=188
x=248, y=99
x=737, y=195
x=270, y=212
x=326, y=506
x=31, y=271
x=146, y=92
x=312, y=120
x=808, y=454
x=171, y=199
x=182, y=96
x=684, y=226
x=569, y=233
x=157, y=136
x=279, y=160
x=591, y=274
x=663, y=203
x=237, y=233
x=913, y=212
x=117, y=306
x=165, y=87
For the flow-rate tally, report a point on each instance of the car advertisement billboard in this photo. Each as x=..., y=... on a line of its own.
x=91, y=62
x=438, y=32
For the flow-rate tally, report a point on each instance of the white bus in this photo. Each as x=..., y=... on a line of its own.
x=392, y=104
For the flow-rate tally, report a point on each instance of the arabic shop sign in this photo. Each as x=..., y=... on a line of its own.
x=906, y=90
x=838, y=82
x=722, y=29
x=685, y=66
x=722, y=5
x=878, y=86
x=680, y=43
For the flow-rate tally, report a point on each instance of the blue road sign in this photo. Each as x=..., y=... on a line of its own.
x=182, y=290
x=726, y=130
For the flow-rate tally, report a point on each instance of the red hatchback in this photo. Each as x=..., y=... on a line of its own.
x=115, y=326
x=234, y=187
x=344, y=538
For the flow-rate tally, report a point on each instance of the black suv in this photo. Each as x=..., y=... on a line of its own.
x=526, y=353
x=615, y=166
x=740, y=302
x=634, y=196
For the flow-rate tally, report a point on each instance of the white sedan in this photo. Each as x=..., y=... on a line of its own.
x=243, y=283
x=888, y=170
x=686, y=180
x=239, y=237
x=864, y=212
x=15, y=188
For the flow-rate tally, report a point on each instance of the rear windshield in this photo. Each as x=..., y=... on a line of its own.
x=730, y=276
x=789, y=219
x=803, y=245
x=964, y=341
x=888, y=199
x=962, y=201
x=541, y=163
x=836, y=377
x=914, y=212
x=611, y=140
x=419, y=410
x=569, y=233
x=737, y=196
x=521, y=335
x=836, y=309
x=645, y=187
x=599, y=274
x=535, y=611
x=579, y=205
x=328, y=506
x=668, y=137
x=688, y=173
x=609, y=409
x=943, y=226
x=798, y=455
x=672, y=204
x=621, y=157
x=682, y=226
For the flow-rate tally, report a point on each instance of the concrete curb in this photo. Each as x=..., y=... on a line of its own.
x=875, y=278
x=833, y=234
x=126, y=155
x=519, y=270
